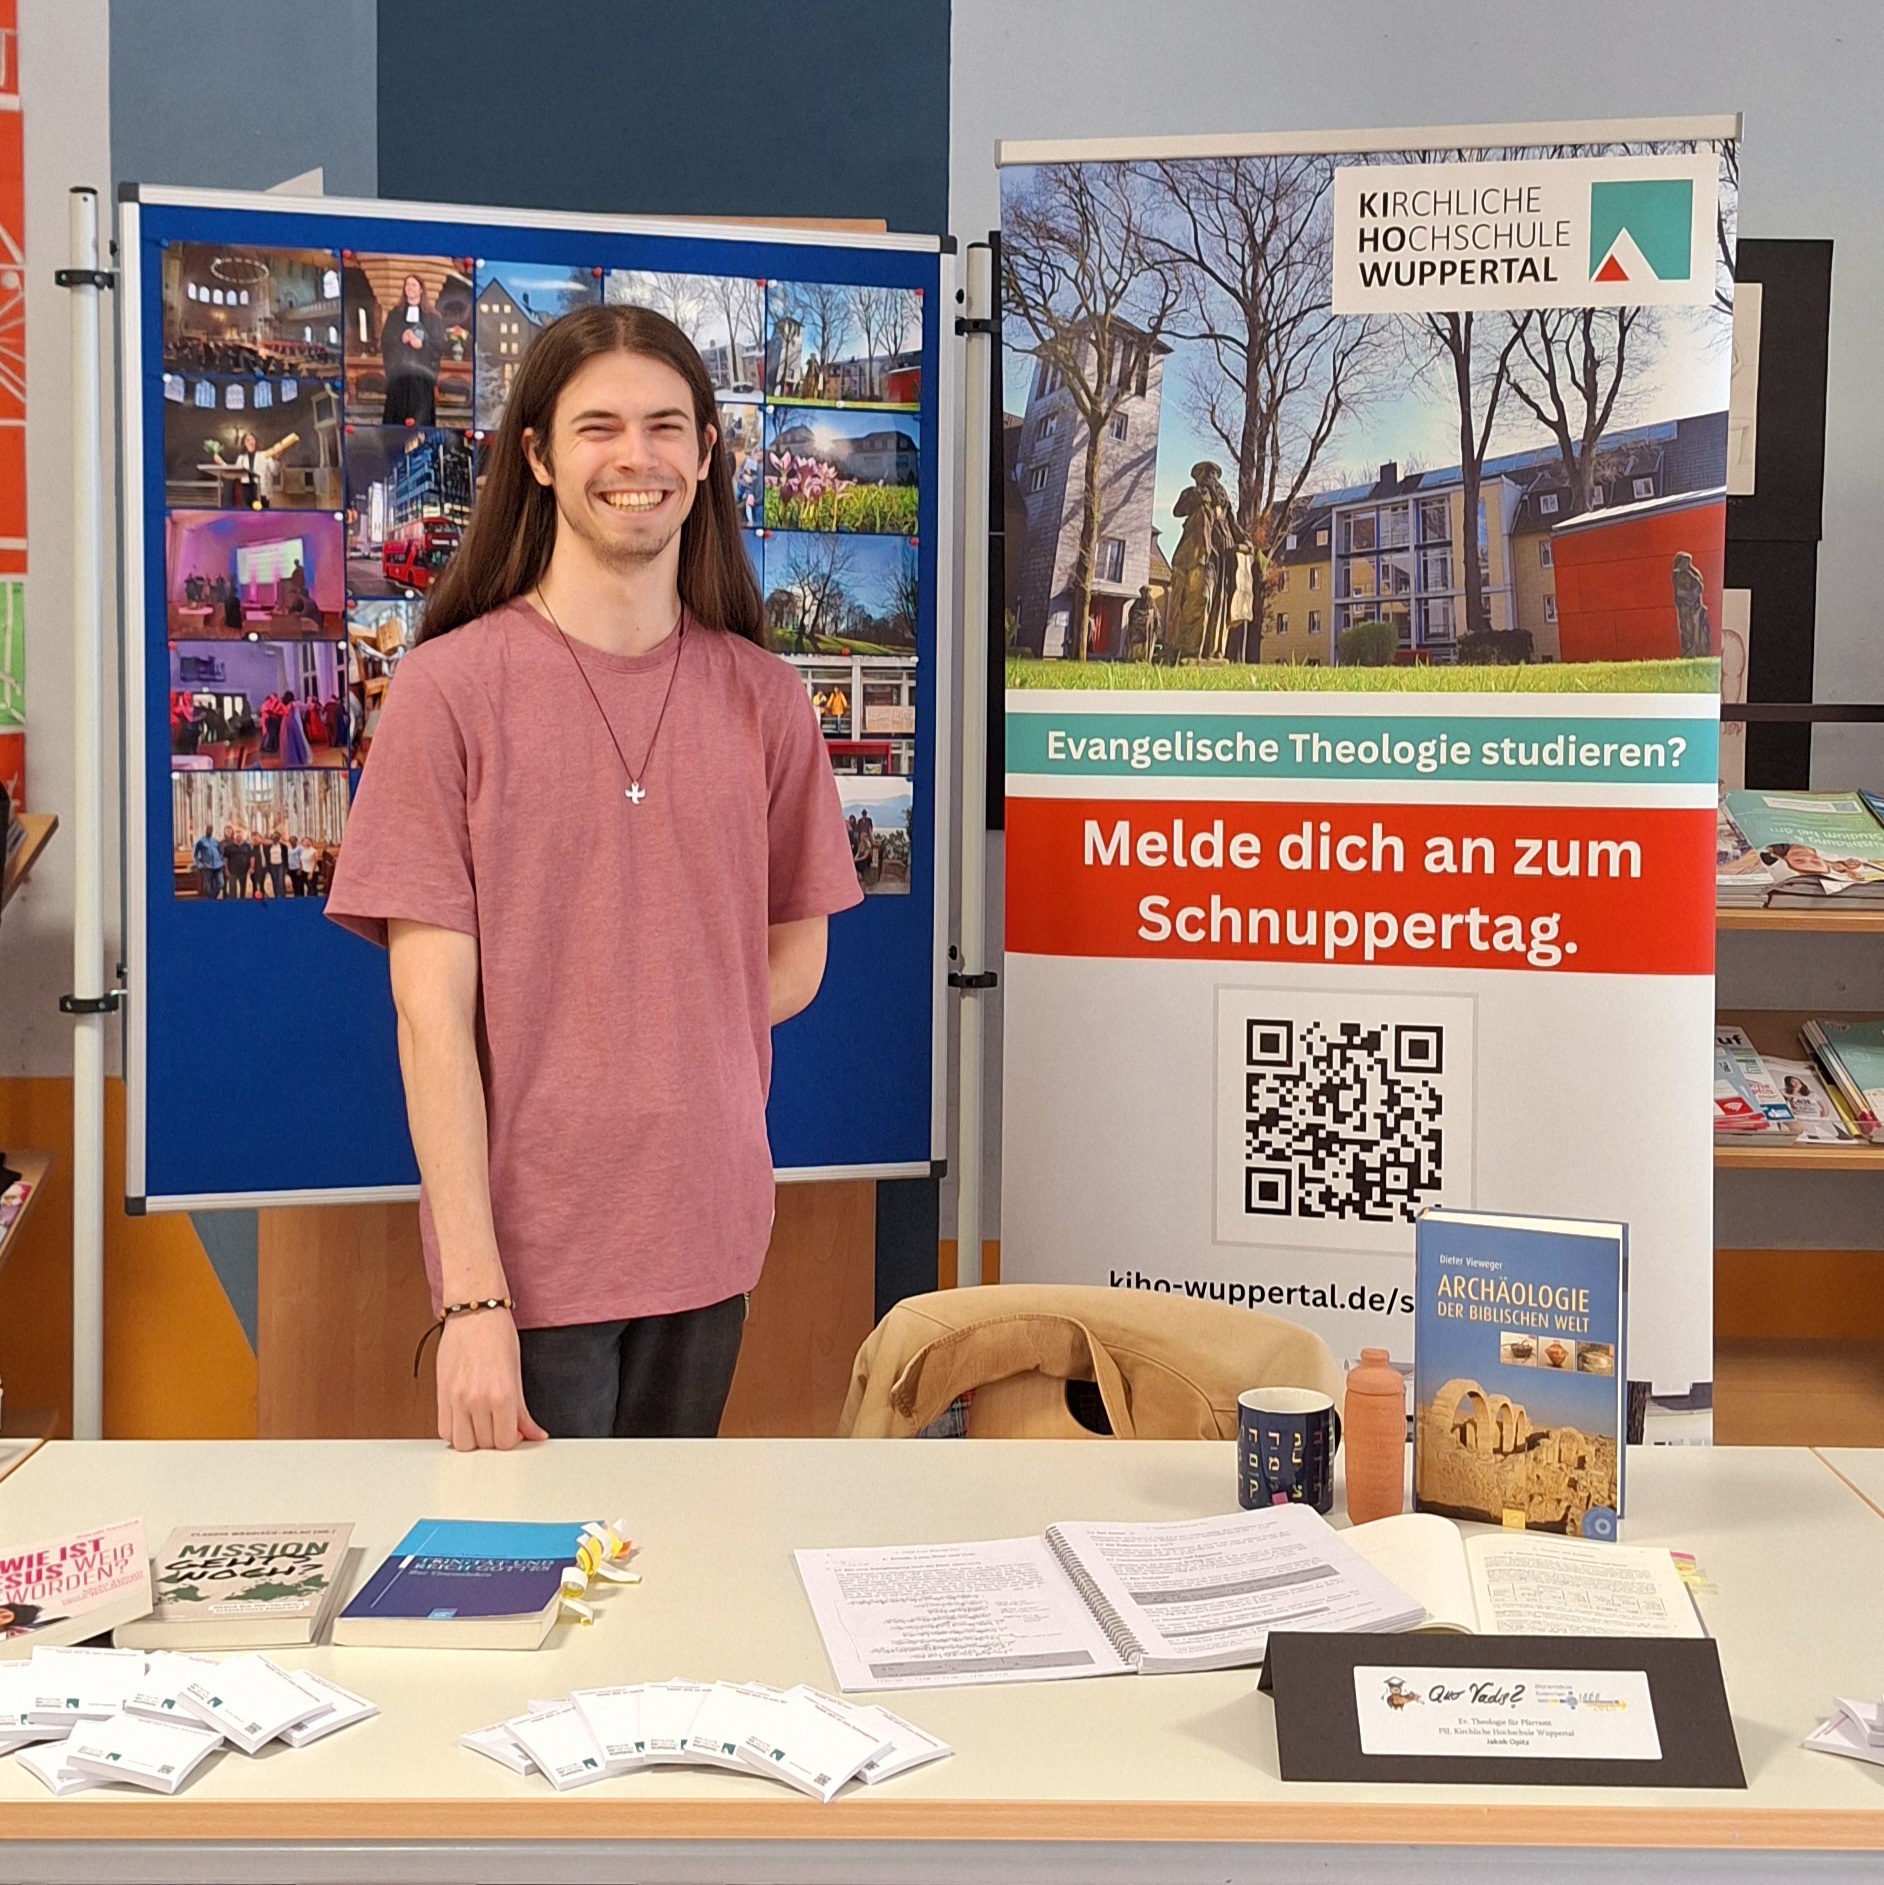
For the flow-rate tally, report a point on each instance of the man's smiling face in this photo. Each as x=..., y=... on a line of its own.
x=625, y=457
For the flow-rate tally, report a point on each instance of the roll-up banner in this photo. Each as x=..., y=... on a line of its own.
x=1365, y=519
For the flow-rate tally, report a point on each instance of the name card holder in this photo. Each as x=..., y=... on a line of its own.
x=1490, y=1711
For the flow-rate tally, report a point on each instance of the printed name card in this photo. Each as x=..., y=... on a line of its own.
x=1501, y=1710
x=1506, y=1714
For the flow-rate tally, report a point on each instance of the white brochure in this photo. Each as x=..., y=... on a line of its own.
x=48, y=1765
x=167, y=1673
x=340, y=1708
x=1857, y=1731
x=497, y=1743
x=613, y=1717
x=904, y=1744
x=1555, y=1714
x=731, y=1712
x=812, y=1745
x=17, y=1692
x=250, y=1699
x=72, y=1684
x=160, y=1755
x=667, y=1717
x=559, y=1742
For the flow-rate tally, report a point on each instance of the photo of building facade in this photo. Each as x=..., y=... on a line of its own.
x=1050, y=457
x=1388, y=551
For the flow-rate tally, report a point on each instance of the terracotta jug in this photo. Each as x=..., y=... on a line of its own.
x=1373, y=1432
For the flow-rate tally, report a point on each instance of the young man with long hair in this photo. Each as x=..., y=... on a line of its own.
x=599, y=834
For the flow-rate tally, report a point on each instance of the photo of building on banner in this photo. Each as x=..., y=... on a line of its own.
x=1179, y=495
x=1365, y=529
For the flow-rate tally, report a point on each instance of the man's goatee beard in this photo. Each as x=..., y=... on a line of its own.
x=615, y=555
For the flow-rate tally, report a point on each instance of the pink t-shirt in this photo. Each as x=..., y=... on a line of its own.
x=624, y=1019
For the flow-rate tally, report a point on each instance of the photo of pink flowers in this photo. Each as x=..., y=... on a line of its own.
x=839, y=469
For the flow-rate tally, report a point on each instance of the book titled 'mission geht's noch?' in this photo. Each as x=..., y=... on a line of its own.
x=241, y=1587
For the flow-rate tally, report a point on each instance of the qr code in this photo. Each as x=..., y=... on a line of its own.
x=1340, y=1116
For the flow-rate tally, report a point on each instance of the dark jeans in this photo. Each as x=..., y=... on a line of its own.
x=656, y=1377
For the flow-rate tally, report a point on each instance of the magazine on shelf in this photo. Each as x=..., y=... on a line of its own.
x=1741, y=880
x=1823, y=1120
x=1851, y=1056
x=1815, y=845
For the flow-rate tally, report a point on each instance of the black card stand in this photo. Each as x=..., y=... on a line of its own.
x=1318, y=1735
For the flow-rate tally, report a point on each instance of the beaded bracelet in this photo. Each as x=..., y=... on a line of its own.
x=456, y=1309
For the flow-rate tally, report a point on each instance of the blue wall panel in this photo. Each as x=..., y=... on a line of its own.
x=271, y=1064
x=817, y=108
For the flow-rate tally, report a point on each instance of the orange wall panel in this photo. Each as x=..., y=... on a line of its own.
x=177, y=1365
x=1615, y=582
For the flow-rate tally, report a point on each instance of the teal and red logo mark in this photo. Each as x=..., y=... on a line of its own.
x=1642, y=229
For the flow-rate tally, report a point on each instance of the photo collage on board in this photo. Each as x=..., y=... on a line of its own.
x=837, y=502
x=325, y=415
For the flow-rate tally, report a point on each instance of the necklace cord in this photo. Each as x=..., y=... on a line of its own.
x=680, y=629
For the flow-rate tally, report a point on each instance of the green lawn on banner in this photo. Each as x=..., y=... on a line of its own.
x=1580, y=677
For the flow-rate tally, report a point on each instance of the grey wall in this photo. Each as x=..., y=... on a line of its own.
x=1807, y=79
x=240, y=94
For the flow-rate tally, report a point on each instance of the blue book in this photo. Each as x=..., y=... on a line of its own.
x=1520, y=1383
x=463, y=1584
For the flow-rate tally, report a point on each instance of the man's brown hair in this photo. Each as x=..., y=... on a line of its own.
x=506, y=548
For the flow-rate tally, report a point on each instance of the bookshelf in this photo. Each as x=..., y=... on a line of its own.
x=33, y=1167
x=1821, y=922
x=1776, y=1031
x=39, y=827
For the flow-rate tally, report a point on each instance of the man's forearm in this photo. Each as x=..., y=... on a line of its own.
x=445, y=1110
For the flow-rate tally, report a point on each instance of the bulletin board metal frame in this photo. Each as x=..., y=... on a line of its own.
x=231, y=1104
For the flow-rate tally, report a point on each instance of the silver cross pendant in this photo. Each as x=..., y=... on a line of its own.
x=634, y=794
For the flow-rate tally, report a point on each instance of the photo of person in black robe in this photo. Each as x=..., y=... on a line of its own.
x=412, y=343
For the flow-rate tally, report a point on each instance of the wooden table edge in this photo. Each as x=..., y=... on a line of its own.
x=1151, y=1822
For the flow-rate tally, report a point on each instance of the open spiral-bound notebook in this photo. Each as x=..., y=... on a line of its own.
x=1092, y=1600
x=1163, y=1598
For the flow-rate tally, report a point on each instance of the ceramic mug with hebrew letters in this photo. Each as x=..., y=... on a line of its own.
x=1285, y=1448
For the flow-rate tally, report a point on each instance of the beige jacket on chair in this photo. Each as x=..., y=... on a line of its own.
x=1166, y=1367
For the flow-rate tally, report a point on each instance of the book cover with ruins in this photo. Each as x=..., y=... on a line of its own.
x=1519, y=1378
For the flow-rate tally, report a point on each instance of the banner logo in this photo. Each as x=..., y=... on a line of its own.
x=1641, y=229
x=1514, y=234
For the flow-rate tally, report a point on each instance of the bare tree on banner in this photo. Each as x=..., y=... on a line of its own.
x=1249, y=238
x=1453, y=342
x=1082, y=274
x=1572, y=375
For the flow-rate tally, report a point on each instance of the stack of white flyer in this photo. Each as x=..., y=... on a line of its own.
x=808, y=1740
x=80, y=1718
x=1856, y=1731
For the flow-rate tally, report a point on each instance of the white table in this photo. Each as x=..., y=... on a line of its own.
x=1142, y=1778
x=1861, y=1467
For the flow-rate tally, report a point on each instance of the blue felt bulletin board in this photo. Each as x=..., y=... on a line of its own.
x=260, y=1057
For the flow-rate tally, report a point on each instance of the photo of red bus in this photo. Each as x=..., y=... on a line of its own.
x=418, y=550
